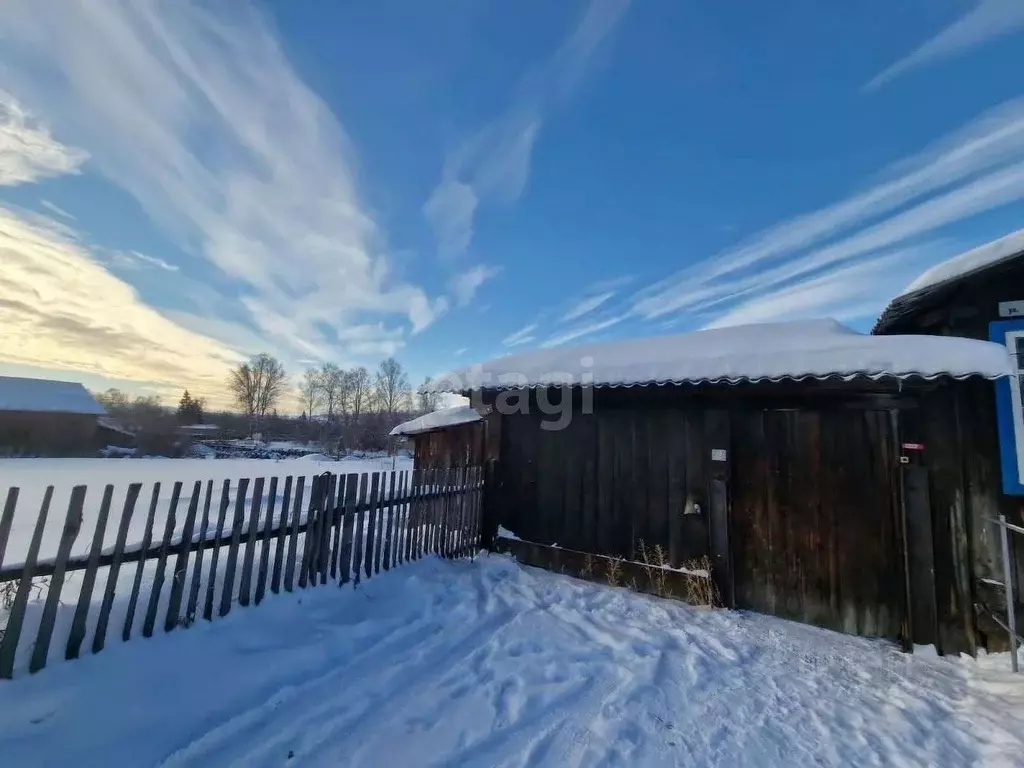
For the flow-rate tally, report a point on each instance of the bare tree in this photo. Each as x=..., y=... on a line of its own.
x=358, y=386
x=311, y=390
x=391, y=388
x=429, y=401
x=257, y=385
x=332, y=379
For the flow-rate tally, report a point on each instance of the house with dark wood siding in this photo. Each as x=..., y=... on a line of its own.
x=802, y=459
x=449, y=437
x=41, y=417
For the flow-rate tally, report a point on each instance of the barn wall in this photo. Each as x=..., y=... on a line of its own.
x=459, y=446
x=802, y=519
x=46, y=434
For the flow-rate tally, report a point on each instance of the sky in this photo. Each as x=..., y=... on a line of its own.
x=183, y=185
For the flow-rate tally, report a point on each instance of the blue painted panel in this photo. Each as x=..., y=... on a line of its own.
x=1008, y=426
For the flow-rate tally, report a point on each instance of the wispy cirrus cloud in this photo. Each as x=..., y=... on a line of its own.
x=493, y=165
x=976, y=169
x=988, y=19
x=196, y=112
x=523, y=336
x=465, y=285
x=28, y=152
x=587, y=305
x=54, y=208
x=133, y=259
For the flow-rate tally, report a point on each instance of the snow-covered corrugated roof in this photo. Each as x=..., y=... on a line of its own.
x=39, y=395
x=764, y=352
x=984, y=256
x=446, y=417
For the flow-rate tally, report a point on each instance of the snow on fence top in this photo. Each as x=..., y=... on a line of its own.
x=446, y=417
x=44, y=395
x=986, y=255
x=764, y=352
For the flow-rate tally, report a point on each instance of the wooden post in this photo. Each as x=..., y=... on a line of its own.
x=236, y=535
x=197, y=570
x=275, y=577
x=415, y=481
x=268, y=526
x=180, y=572
x=338, y=501
x=147, y=538
x=293, y=534
x=16, y=618
x=311, y=541
x=7, y=520
x=77, y=635
x=390, y=524
x=211, y=580
x=250, y=543
x=400, y=521
x=161, y=563
x=355, y=489
x=919, y=561
x=360, y=536
x=717, y=437
x=72, y=525
x=376, y=494
x=328, y=508
x=99, y=638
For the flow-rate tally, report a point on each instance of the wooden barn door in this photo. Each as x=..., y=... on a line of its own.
x=815, y=518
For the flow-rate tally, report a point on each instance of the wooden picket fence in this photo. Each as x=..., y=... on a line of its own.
x=354, y=526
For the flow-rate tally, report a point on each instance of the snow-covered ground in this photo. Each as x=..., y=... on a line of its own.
x=483, y=663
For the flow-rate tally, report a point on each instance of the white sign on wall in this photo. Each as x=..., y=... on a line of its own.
x=1011, y=308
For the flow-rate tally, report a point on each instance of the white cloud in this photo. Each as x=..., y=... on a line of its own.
x=203, y=120
x=583, y=330
x=465, y=285
x=587, y=305
x=494, y=164
x=460, y=351
x=988, y=19
x=60, y=309
x=132, y=259
x=523, y=336
x=28, y=152
x=53, y=208
x=976, y=169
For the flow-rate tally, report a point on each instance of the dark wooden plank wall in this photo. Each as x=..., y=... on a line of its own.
x=461, y=446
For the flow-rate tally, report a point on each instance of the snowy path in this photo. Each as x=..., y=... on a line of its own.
x=488, y=664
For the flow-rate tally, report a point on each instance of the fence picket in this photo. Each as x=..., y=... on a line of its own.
x=293, y=535
x=398, y=511
x=7, y=520
x=275, y=577
x=72, y=525
x=211, y=579
x=328, y=507
x=355, y=489
x=414, y=512
x=370, y=514
x=147, y=539
x=238, y=522
x=390, y=526
x=250, y=542
x=359, y=544
x=310, y=542
x=197, y=570
x=268, y=526
x=180, y=573
x=161, y=563
x=99, y=637
x=339, y=510
x=16, y=617
x=423, y=520
x=77, y=635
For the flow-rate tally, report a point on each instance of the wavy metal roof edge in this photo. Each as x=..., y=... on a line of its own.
x=731, y=381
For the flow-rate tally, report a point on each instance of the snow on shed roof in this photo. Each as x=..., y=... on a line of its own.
x=45, y=395
x=446, y=417
x=764, y=352
x=984, y=256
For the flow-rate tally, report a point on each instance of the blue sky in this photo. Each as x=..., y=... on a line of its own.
x=185, y=184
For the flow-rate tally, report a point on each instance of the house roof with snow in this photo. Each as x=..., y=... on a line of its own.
x=428, y=422
x=46, y=396
x=809, y=349
x=937, y=283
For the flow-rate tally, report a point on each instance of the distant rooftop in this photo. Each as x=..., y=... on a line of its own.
x=446, y=417
x=46, y=396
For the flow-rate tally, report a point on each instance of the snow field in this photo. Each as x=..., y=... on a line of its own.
x=461, y=663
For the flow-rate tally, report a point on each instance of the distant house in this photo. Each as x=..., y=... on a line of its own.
x=199, y=431
x=451, y=437
x=41, y=417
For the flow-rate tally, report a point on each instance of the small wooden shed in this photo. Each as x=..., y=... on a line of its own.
x=43, y=417
x=450, y=437
x=777, y=450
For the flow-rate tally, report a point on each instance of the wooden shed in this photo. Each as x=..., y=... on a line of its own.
x=778, y=451
x=971, y=466
x=42, y=417
x=450, y=437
